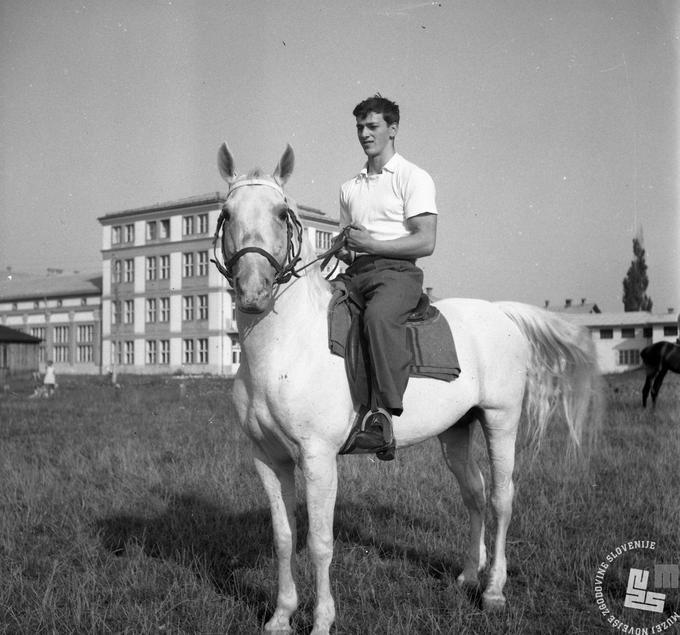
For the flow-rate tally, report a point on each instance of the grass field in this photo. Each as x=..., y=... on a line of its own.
x=138, y=511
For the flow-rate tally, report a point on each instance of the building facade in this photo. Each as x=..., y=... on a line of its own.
x=63, y=311
x=619, y=337
x=165, y=306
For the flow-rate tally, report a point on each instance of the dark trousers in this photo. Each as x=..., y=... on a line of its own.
x=390, y=289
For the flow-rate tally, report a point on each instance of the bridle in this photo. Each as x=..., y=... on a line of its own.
x=285, y=271
x=294, y=237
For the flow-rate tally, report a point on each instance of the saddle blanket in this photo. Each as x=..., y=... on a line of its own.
x=433, y=352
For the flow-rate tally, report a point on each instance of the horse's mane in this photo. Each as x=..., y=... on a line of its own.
x=318, y=285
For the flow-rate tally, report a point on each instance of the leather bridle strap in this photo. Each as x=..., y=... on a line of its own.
x=293, y=230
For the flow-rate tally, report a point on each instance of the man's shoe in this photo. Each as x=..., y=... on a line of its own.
x=376, y=434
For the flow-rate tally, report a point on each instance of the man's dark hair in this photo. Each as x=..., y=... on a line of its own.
x=378, y=104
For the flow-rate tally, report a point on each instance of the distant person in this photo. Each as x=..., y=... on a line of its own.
x=50, y=380
x=389, y=214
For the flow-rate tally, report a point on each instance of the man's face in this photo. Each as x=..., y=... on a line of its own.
x=374, y=134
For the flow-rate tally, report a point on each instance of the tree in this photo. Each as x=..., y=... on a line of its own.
x=636, y=281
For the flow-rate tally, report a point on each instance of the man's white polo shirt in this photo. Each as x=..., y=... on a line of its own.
x=383, y=202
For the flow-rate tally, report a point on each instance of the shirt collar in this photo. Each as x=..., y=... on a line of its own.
x=390, y=166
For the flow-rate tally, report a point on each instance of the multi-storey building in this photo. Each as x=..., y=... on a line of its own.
x=165, y=306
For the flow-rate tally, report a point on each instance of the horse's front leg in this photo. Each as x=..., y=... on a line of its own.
x=645, y=389
x=278, y=478
x=319, y=466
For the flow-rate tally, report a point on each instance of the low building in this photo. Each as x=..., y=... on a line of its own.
x=619, y=337
x=63, y=311
x=18, y=354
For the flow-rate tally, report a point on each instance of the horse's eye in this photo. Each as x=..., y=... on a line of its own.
x=283, y=215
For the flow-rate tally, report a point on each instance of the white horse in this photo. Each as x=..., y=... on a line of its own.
x=294, y=402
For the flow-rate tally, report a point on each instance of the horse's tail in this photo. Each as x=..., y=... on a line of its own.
x=562, y=376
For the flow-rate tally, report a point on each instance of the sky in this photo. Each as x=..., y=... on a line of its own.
x=550, y=127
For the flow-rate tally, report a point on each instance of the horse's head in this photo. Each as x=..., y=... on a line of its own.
x=261, y=235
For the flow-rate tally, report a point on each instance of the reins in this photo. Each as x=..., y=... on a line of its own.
x=294, y=237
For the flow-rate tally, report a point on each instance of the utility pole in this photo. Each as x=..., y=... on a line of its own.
x=115, y=317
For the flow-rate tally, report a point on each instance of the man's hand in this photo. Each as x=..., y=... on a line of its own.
x=359, y=239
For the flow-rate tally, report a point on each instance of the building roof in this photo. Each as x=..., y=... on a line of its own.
x=621, y=318
x=12, y=335
x=211, y=198
x=24, y=286
x=571, y=307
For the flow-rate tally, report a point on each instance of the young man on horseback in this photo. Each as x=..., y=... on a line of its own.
x=390, y=219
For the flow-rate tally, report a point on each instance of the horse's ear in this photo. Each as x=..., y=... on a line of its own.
x=285, y=167
x=225, y=163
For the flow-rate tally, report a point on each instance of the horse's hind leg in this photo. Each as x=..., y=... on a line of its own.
x=279, y=483
x=456, y=445
x=646, y=387
x=657, y=385
x=500, y=430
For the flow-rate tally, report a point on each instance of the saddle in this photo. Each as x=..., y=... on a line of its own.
x=433, y=352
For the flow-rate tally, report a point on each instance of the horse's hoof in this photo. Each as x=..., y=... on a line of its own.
x=493, y=603
x=277, y=628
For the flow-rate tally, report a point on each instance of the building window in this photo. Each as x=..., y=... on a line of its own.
x=14, y=306
x=61, y=334
x=85, y=333
x=36, y=304
x=188, y=304
x=60, y=354
x=323, y=240
x=188, y=265
x=165, y=351
x=164, y=228
x=116, y=233
x=151, y=267
x=202, y=307
x=60, y=303
x=129, y=233
x=130, y=270
x=606, y=334
x=116, y=311
x=38, y=331
x=628, y=332
x=202, y=263
x=151, y=230
x=647, y=332
x=84, y=353
x=129, y=353
x=629, y=357
x=165, y=310
x=235, y=351
x=203, y=350
x=83, y=301
x=188, y=351
x=129, y=314
x=151, y=310
x=151, y=352
x=116, y=353
x=188, y=225
x=202, y=223
x=117, y=272
x=670, y=331
x=165, y=268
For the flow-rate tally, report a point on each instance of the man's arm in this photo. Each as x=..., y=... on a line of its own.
x=420, y=241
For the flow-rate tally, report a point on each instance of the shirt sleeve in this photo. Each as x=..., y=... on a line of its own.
x=344, y=211
x=420, y=194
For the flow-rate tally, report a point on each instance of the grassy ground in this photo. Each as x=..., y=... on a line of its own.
x=138, y=511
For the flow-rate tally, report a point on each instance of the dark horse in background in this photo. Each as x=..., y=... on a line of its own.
x=658, y=358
